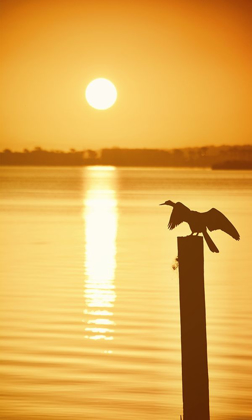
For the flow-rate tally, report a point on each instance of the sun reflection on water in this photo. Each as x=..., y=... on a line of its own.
x=100, y=215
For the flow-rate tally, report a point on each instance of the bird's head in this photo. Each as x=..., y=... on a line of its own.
x=168, y=203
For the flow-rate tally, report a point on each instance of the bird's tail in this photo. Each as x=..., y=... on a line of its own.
x=210, y=242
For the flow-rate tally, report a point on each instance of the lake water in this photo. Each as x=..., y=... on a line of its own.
x=89, y=310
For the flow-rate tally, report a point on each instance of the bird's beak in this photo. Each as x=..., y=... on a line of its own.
x=162, y=204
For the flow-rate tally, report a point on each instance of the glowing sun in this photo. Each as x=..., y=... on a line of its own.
x=101, y=93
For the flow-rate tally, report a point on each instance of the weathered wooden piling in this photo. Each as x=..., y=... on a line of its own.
x=193, y=328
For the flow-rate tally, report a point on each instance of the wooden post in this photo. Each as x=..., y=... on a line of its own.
x=193, y=328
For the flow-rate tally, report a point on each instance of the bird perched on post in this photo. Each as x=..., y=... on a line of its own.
x=200, y=222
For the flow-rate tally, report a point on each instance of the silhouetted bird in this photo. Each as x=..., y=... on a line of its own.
x=200, y=222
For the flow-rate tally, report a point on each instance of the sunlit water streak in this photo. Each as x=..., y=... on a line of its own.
x=61, y=288
x=100, y=216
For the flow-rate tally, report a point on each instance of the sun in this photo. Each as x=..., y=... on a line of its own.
x=101, y=93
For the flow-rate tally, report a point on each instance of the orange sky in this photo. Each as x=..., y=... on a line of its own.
x=182, y=70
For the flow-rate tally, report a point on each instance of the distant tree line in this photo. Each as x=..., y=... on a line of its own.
x=41, y=157
x=239, y=157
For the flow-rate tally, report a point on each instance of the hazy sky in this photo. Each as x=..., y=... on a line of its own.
x=182, y=70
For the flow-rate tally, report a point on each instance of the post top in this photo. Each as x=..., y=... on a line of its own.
x=190, y=238
x=190, y=244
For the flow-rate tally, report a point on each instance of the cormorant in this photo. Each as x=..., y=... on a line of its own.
x=200, y=222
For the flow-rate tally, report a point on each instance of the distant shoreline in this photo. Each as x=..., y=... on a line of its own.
x=233, y=165
x=215, y=157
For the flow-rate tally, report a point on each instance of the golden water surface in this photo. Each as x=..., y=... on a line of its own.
x=89, y=308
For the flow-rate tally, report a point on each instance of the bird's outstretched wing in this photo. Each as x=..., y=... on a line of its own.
x=216, y=220
x=179, y=215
